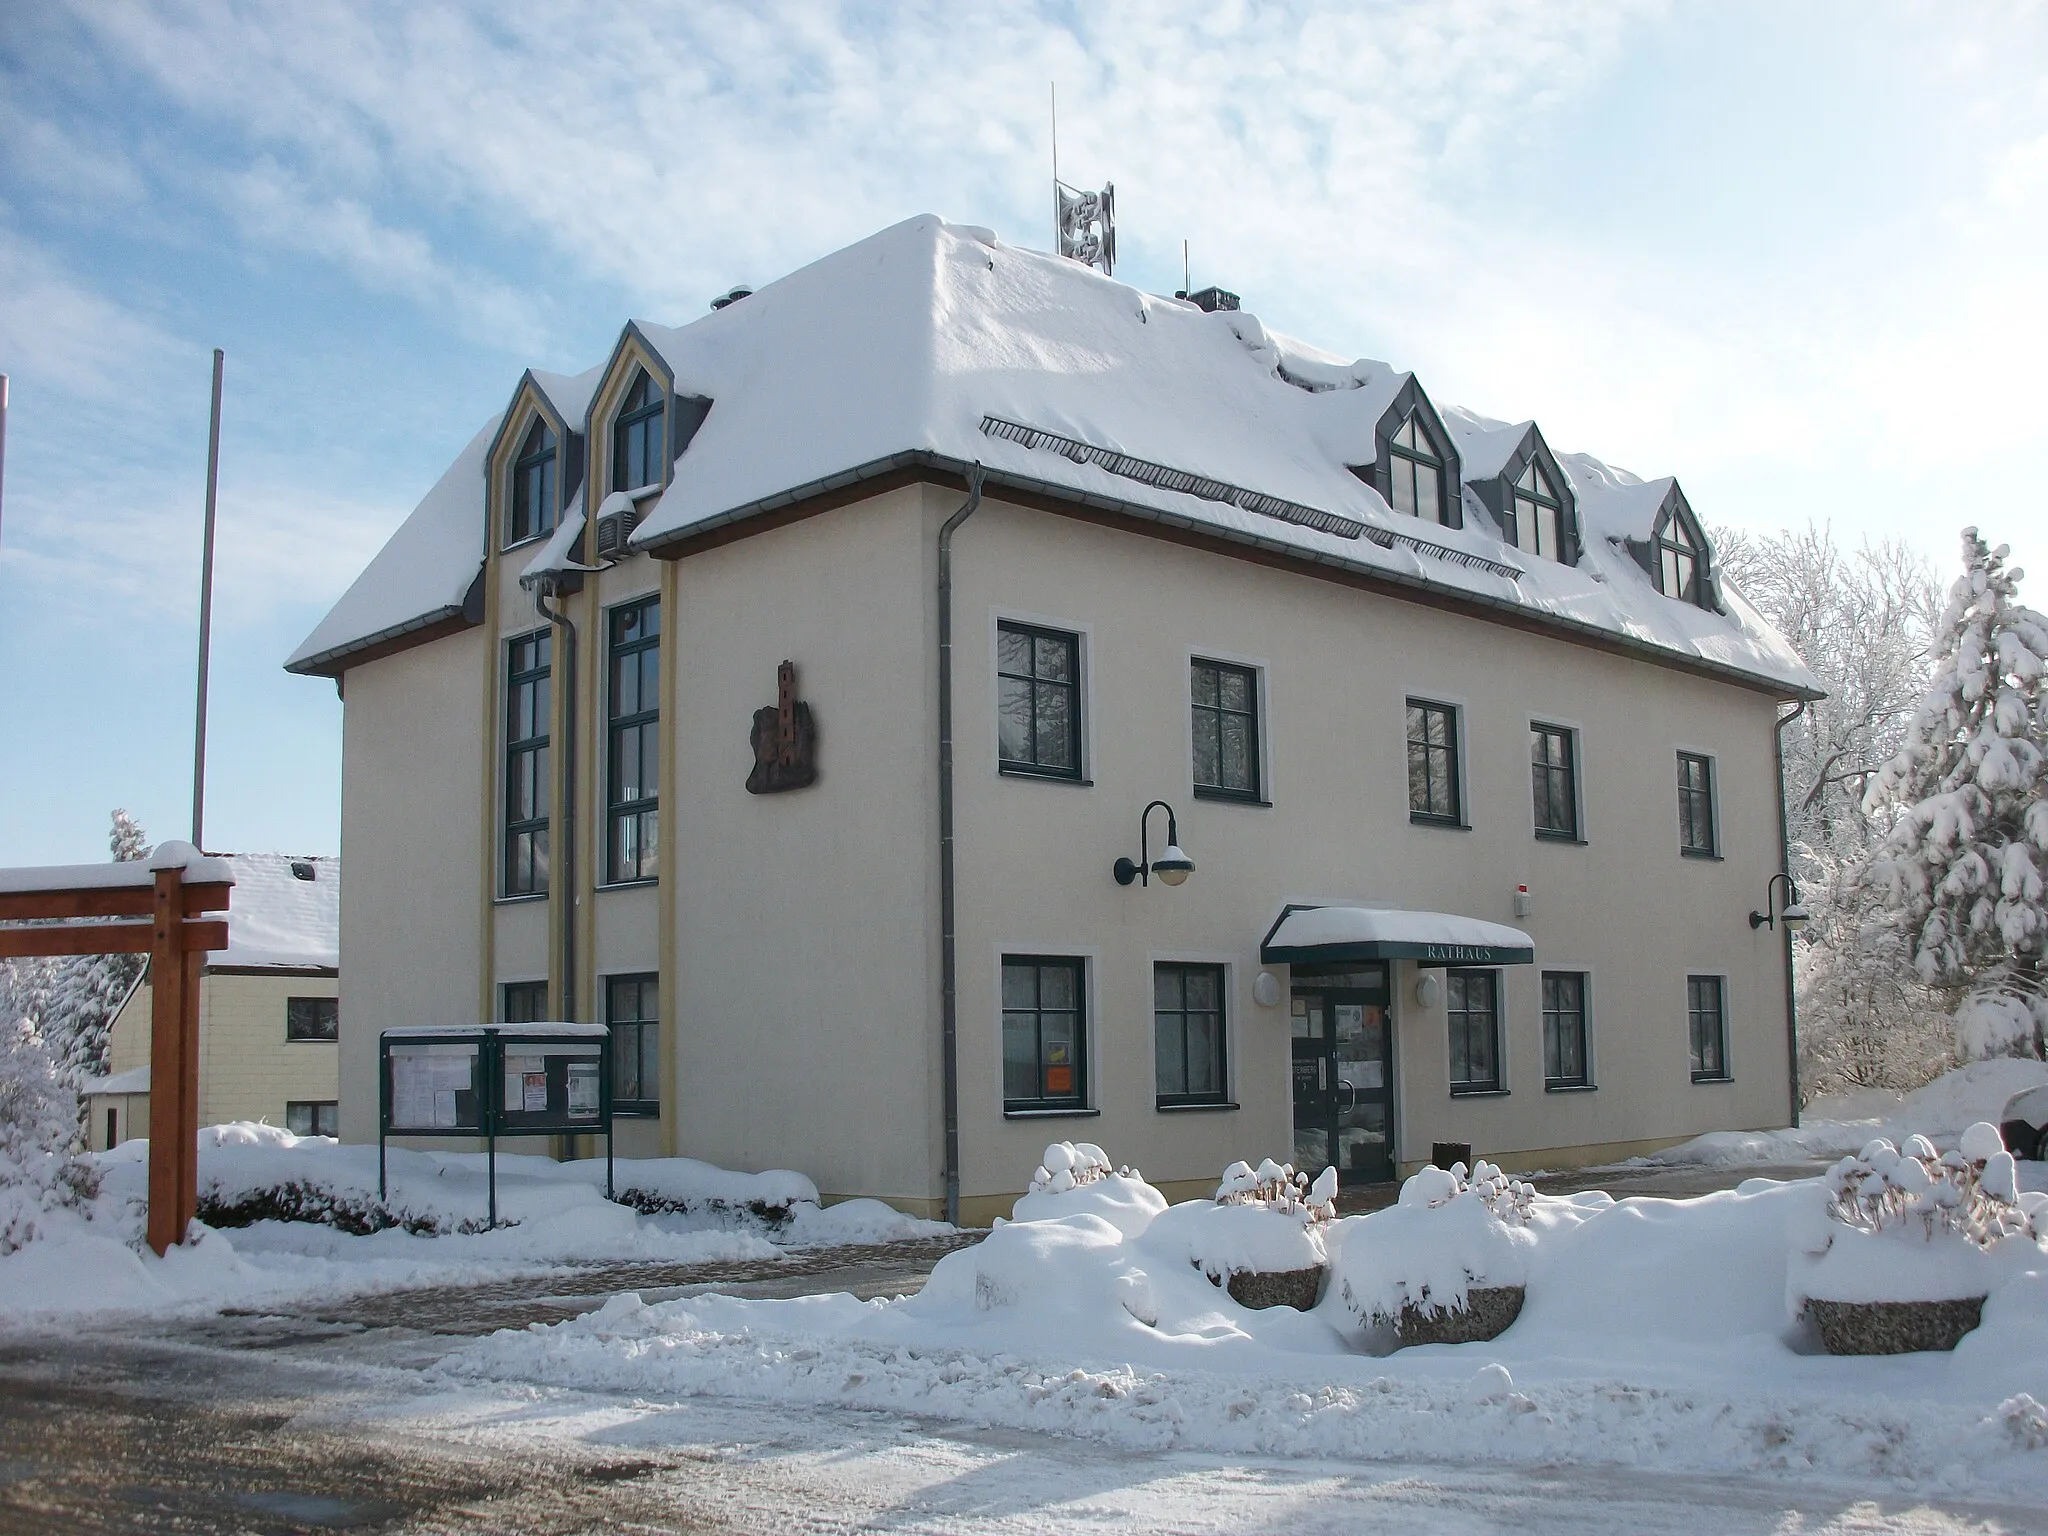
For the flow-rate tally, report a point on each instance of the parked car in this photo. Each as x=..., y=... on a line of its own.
x=2025, y=1123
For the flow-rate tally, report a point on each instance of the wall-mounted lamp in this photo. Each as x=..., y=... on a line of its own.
x=1172, y=866
x=1428, y=989
x=1792, y=914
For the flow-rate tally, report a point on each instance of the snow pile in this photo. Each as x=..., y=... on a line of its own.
x=1075, y=1179
x=1265, y=1220
x=41, y=1173
x=1912, y=1224
x=1446, y=1236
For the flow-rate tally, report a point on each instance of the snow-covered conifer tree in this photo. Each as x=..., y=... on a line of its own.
x=1962, y=867
x=41, y=1170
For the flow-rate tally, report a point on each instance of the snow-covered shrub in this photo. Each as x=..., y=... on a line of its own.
x=41, y=1171
x=1278, y=1188
x=1447, y=1236
x=1076, y=1178
x=1972, y=1192
x=1070, y=1164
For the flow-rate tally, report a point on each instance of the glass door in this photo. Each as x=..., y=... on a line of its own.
x=1343, y=1059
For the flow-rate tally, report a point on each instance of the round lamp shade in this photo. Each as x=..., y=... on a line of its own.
x=1173, y=866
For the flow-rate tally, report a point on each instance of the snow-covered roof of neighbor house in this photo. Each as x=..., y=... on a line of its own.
x=279, y=920
x=1387, y=933
x=134, y=1080
x=938, y=345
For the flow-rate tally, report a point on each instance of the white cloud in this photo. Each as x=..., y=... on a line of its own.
x=59, y=336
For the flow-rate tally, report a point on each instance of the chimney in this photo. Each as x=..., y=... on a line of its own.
x=1209, y=300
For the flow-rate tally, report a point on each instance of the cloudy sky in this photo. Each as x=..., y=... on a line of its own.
x=1791, y=253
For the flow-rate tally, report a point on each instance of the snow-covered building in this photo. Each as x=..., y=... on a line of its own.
x=268, y=1010
x=1472, y=751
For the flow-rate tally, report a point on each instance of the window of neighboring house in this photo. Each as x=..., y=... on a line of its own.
x=1696, y=804
x=1433, y=791
x=1044, y=1034
x=1187, y=1034
x=312, y=1117
x=527, y=706
x=1678, y=560
x=1554, y=775
x=1038, y=700
x=1707, y=1024
x=1415, y=470
x=1564, y=1030
x=311, y=1018
x=533, y=487
x=1226, y=727
x=634, y=749
x=1472, y=999
x=632, y=1007
x=637, y=454
x=1538, y=514
x=523, y=1002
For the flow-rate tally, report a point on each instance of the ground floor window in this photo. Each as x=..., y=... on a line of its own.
x=633, y=1009
x=1707, y=1018
x=1564, y=1030
x=312, y=1117
x=525, y=1002
x=1044, y=1033
x=1187, y=1034
x=1472, y=999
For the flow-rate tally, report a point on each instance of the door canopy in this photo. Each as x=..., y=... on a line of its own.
x=1323, y=935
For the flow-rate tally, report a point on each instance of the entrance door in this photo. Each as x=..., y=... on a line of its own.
x=1344, y=1077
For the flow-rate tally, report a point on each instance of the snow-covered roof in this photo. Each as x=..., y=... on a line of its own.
x=279, y=920
x=199, y=869
x=1484, y=445
x=1387, y=933
x=134, y=1080
x=938, y=345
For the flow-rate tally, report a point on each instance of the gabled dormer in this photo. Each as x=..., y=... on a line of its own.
x=533, y=469
x=1521, y=484
x=644, y=425
x=1415, y=466
x=1677, y=555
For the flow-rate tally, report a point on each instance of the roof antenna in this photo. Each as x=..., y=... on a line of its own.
x=1187, y=282
x=1053, y=86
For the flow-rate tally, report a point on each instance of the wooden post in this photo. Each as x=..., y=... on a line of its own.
x=173, y=1069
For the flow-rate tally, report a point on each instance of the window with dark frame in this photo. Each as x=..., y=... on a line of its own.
x=632, y=1007
x=1695, y=804
x=633, y=747
x=1538, y=514
x=1433, y=763
x=1225, y=707
x=1707, y=1023
x=1038, y=700
x=1472, y=1001
x=1415, y=467
x=1044, y=1033
x=639, y=457
x=532, y=512
x=312, y=1018
x=312, y=1117
x=523, y=1002
x=1553, y=773
x=1564, y=1030
x=1678, y=560
x=527, y=708
x=1187, y=1034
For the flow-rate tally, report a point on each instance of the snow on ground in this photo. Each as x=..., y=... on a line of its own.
x=430, y=1230
x=1656, y=1333
x=1838, y=1125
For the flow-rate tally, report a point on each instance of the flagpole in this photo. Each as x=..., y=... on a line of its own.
x=3, y=438
x=206, y=609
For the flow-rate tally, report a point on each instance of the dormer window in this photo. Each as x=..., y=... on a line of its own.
x=1415, y=472
x=1539, y=520
x=533, y=487
x=1679, y=560
x=637, y=457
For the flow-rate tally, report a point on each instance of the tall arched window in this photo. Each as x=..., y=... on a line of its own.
x=533, y=487
x=1539, y=514
x=1678, y=560
x=637, y=458
x=1416, y=470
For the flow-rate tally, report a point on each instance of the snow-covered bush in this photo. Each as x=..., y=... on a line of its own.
x=1447, y=1235
x=1076, y=1178
x=1071, y=1164
x=1278, y=1188
x=1972, y=1192
x=41, y=1171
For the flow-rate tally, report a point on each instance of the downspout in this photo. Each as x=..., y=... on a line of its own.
x=563, y=867
x=949, y=969
x=1785, y=863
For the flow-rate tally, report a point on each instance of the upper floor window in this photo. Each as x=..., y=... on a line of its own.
x=1553, y=772
x=1225, y=710
x=1038, y=700
x=1538, y=512
x=1416, y=471
x=637, y=455
x=312, y=1018
x=633, y=716
x=1433, y=789
x=527, y=720
x=1696, y=804
x=533, y=487
x=1678, y=560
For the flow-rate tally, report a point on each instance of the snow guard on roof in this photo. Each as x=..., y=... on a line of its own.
x=1318, y=935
